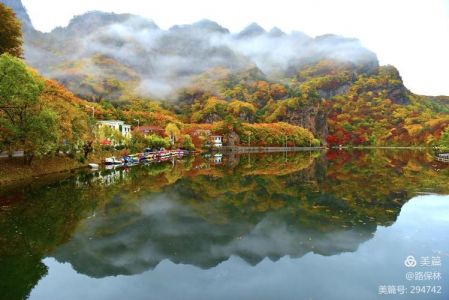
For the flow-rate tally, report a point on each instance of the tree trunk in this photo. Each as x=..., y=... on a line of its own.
x=28, y=158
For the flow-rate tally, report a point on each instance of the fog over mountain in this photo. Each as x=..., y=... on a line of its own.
x=99, y=50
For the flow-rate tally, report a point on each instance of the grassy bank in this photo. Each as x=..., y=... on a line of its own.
x=13, y=170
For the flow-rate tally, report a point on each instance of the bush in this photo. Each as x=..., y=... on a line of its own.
x=277, y=134
x=187, y=143
x=155, y=141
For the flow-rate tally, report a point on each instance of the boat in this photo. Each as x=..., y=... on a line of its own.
x=94, y=166
x=112, y=161
x=163, y=153
x=113, y=167
x=131, y=159
x=177, y=152
x=148, y=154
x=443, y=157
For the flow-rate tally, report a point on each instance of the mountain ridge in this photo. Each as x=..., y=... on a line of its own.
x=203, y=73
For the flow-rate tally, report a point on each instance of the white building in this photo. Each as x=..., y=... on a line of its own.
x=217, y=140
x=120, y=126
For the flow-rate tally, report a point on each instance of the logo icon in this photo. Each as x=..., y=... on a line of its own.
x=410, y=261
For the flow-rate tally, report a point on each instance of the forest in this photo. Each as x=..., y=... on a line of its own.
x=322, y=101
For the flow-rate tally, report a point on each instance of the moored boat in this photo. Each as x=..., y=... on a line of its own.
x=112, y=161
x=93, y=166
x=443, y=157
x=131, y=159
x=148, y=154
x=177, y=152
x=163, y=153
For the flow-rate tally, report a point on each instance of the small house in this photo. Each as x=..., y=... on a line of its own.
x=120, y=126
x=149, y=130
x=217, y=140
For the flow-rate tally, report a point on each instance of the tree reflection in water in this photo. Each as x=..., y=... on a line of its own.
x=198, y=212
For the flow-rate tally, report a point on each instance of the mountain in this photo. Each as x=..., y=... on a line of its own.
x=203, y=73
x=252, y=30
x=163, y=61
x=20, y=10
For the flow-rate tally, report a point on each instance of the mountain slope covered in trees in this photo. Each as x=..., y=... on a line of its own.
x=203, y=73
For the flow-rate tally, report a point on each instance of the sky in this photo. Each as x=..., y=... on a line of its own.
x=412, y=35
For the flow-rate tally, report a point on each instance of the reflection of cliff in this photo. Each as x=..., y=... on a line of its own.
x=164, y=228
x=377, y=182
x=205, y=219
x=195, y=212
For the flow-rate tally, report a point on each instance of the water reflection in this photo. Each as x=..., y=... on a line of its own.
x=199, y=212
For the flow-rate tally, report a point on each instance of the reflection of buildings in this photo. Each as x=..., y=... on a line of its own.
x=258, y=209
x=217, y=159
x=112, y=175
x=250, y=210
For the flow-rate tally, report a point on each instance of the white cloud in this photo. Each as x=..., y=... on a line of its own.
x=410, y=34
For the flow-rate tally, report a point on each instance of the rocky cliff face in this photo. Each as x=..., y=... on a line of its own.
x=330, y=93
x=313, y=118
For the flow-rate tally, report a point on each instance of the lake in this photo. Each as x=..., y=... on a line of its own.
x=369, y=224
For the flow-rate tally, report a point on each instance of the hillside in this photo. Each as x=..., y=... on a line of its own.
x=166, y=60
x=203, y=73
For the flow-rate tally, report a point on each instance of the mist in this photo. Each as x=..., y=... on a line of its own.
x=156, y=63
x=136, y=238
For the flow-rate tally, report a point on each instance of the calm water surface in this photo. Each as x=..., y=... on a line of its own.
x=335, y=225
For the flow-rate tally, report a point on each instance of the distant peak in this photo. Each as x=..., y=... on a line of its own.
x=329, y=37
x=100, y=19
x=276, y=32
x=210, y=26
x=202, y=25
x=251, y=30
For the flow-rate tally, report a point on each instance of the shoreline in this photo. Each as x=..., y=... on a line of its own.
x=13, y=171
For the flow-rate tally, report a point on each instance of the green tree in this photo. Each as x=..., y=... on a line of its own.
x=26, y=124
x=138, y=141
x=187, y=144
x=155, y=141
x=111, y=134
x=444, y=141
x=10, y=32
x=173, y=132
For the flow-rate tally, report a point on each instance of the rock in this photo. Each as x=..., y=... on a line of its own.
x=329, y=93
x=232, y=139
x=313, y=118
